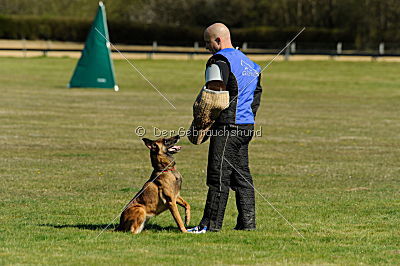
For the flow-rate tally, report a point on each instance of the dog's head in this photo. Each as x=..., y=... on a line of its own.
x=163, y=146
x=161, y=151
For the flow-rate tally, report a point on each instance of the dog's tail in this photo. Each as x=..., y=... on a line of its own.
x=119, y=228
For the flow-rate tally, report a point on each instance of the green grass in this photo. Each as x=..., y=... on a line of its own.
x=328, y=160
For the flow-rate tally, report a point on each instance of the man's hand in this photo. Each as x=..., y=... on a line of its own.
x=216, y=85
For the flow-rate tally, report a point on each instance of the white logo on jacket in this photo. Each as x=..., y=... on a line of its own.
x=248, y=70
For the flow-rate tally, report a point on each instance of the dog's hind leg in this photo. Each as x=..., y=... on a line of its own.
x=140, y=219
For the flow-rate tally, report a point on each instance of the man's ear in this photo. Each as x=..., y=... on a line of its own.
x=218, y=40
x=148, y=142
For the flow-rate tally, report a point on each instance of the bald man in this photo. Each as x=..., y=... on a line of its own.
x=229, y=69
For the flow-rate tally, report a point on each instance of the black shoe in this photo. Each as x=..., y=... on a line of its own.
x=241, y=228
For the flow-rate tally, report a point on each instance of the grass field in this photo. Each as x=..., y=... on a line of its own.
x=328, y=160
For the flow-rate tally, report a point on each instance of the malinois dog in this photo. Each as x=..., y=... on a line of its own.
x=160, y=192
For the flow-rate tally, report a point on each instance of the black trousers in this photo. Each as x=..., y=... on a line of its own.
x=228, y=167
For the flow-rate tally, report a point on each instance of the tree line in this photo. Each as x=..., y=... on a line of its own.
x=362, y=22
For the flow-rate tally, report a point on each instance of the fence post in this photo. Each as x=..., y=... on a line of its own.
x=150, y=55
x=339, y=48
x=48, y=47
x=293, y=48
x=196, y=45
x=287, y=52
x=24, y=47
x=381, y=48
x=244, y=46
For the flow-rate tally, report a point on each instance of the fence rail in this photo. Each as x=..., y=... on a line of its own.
x=249, y=52
x=46, y=47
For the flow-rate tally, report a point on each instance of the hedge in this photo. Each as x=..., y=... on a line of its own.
x=71, y=29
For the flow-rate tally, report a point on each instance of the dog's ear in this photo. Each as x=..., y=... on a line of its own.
x=148, y=142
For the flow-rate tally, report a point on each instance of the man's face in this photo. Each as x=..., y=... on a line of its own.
x=212, y=44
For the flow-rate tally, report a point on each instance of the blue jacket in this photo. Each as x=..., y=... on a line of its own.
x=243, y=86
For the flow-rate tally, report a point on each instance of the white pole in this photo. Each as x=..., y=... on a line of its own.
x=339, y=48
x=293, y=48
x=381, y=48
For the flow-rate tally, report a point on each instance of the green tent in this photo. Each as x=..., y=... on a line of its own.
x=95, y=68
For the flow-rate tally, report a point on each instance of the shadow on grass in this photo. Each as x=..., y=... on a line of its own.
x=93, y=227
x=96, y=227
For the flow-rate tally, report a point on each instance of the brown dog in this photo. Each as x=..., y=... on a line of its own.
x=160, y=192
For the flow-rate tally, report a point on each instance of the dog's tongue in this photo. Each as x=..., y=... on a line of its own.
x=175, y=148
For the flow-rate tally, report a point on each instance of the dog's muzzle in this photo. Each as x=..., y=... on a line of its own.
x=174, y=149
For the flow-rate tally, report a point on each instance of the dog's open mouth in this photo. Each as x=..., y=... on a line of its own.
x=174, y=149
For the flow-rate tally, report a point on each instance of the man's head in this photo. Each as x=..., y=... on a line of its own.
x=217, y=37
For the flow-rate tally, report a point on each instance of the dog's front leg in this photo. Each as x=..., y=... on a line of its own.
x=185, y=205
x=175, y=213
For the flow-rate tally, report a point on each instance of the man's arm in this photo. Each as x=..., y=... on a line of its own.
x=257, y=96
x=217, y=75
